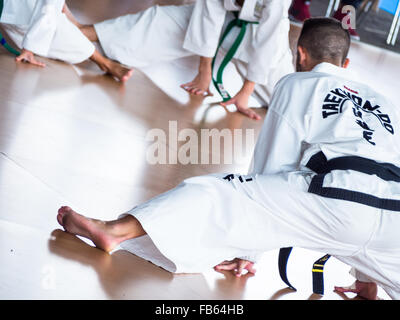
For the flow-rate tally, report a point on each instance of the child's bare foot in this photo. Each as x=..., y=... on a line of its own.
x=111, y=67
x=366, y=290
x=103, y=235
x=118, y=71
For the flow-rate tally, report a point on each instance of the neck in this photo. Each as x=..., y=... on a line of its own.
x=337, y=63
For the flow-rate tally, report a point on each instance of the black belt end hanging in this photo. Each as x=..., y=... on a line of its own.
x=284, y=254
x=318, y=274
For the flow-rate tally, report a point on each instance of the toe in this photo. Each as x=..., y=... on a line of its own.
x=59, y=219
x=61, y=213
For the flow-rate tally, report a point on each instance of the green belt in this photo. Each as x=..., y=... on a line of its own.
x=242, y=24
x=3, y=41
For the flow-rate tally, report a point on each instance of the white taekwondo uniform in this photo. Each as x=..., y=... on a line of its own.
x=290, y=198
x=165, y=33
x=41, y=27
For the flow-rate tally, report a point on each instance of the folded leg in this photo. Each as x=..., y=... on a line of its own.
x=142, y=39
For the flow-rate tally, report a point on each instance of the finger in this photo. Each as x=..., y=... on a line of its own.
x=20, y=58
x=240, y=268
x=247, y=275
x=209, y=93
x=230, y=266
x=250, y=267
x=185, y=85
x=37, y=63
x=227, y=103
x=191, y=89
x=250, y=113
x=197, y=91
x=187, y=89
x=127, y=76
x=346, y=289
x=227, y=262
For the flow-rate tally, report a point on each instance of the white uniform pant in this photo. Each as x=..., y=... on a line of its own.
x=157, y=35
x=207, y=219
x=69, y=44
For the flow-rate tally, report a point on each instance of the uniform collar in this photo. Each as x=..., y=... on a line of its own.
x=332, y=69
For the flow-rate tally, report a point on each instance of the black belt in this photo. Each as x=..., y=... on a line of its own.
x=1, y=7
x=320, y=165
x=386, y=171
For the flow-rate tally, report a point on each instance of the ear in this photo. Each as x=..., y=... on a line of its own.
x=346, y=63
x=302, y=55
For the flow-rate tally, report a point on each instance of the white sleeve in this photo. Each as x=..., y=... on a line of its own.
x=280, y=143
x=42, y=26
x=205, y=27
x=270, y=42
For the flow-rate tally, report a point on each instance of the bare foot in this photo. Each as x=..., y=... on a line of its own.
x=111, y=67
x=366, y=290
x=118, y=71
x=103, y=235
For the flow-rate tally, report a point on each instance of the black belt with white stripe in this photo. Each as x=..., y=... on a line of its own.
x=320, y=165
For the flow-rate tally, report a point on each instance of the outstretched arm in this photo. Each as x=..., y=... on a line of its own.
x=201, y=83
x=201, y=39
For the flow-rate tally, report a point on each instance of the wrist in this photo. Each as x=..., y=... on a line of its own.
x=26, y=51
x=248, y=87
x=205, y=65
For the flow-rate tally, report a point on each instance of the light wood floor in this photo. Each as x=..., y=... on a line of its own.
x=72, y=136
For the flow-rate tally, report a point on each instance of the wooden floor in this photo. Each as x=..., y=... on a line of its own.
x=71, y=136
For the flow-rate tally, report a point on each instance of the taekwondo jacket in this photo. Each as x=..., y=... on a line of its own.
x=41, y=18
x=265, y=44
x=326, y=111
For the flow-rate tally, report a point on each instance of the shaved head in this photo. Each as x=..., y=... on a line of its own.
x=325, y=40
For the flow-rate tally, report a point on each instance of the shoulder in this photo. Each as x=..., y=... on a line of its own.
x=298, y=80
x=297, y=91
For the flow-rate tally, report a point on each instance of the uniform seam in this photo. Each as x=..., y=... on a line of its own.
x=364, y=247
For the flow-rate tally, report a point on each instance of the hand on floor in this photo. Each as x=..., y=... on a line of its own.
x=241, y=101
x=365, y=290
x=237, y=266
x=29, y=57
x=200, y=85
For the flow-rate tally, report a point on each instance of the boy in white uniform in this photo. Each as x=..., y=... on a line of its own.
x=325, y=177
x=47, y=28
x=165, y=33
